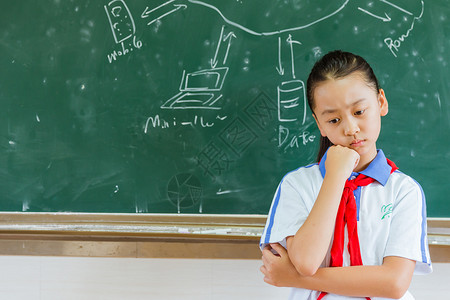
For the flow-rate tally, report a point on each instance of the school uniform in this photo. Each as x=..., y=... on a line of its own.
x=391, y=217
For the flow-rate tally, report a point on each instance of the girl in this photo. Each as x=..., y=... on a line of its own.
x=351, y=225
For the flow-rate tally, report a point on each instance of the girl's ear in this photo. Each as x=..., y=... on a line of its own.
x=322, y=132
x=382, y=101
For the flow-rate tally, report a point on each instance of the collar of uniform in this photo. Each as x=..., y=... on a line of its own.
x=378, y=169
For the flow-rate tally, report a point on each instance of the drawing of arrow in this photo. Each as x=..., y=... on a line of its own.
x=280, y=69
x=147, y=12
x=229, y=37
x=214, y=61
x=384, y=19
x=291, y=43
x=397, y=7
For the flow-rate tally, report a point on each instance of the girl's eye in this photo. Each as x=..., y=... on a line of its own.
x=333, y=121
x=360, y=112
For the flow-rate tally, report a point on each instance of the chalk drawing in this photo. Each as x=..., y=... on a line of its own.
x=184, y=191
x=291, y=101
x=228, y=38
x=197, y=89
x=161, y=11
x=120, y=20
x=123, y=28
x=279, y=68
x=269, y=33
x=386, y=17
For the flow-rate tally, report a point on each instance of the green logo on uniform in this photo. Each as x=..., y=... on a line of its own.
x=386, y=210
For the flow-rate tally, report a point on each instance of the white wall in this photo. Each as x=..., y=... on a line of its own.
x=61, y=278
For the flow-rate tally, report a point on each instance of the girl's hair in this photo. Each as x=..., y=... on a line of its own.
x=335, y=65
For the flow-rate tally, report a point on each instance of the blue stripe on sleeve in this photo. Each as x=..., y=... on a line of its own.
x=275, y=206
x=272, y=215
x=423, y=240
x=424, y=227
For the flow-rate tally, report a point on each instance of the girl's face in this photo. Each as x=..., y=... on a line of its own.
x=348, y=112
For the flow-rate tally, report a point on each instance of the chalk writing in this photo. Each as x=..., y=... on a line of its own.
x=124, y=50
x=195, y=121
x=122, y=27
x=286, y=140
x=395, y=44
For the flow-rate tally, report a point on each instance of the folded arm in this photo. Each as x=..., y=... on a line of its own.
x=389, y=280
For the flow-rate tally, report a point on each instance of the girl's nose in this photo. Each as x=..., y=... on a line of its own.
x=351, y=127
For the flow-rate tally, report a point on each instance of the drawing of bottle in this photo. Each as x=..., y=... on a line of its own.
x=291, y=101
x=120, y=19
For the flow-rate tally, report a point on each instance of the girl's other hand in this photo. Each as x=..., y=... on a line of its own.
x=341, y=160
x=278, y=269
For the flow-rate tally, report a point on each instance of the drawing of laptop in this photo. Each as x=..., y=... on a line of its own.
x=197, y=90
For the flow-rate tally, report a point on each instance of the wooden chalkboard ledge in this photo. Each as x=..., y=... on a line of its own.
x=135, y=226
x=153, y=235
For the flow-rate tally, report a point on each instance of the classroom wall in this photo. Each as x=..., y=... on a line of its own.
x=54, y=278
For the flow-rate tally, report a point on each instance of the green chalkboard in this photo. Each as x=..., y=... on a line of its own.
x=187, y=106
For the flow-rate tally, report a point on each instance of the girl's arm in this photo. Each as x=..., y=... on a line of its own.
x=390, y=280
x=308, y=247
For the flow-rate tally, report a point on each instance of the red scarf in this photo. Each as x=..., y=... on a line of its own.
x=347, y=214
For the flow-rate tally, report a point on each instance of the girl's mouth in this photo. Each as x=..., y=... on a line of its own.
x=357, y=143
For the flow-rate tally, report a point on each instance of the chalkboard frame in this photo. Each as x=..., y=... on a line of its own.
x=154, y=235
x=48, y=152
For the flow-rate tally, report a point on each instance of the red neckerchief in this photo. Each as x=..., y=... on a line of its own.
x=347, y=214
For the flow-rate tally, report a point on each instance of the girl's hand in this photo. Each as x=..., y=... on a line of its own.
x=278, y=269
x=341, y=160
